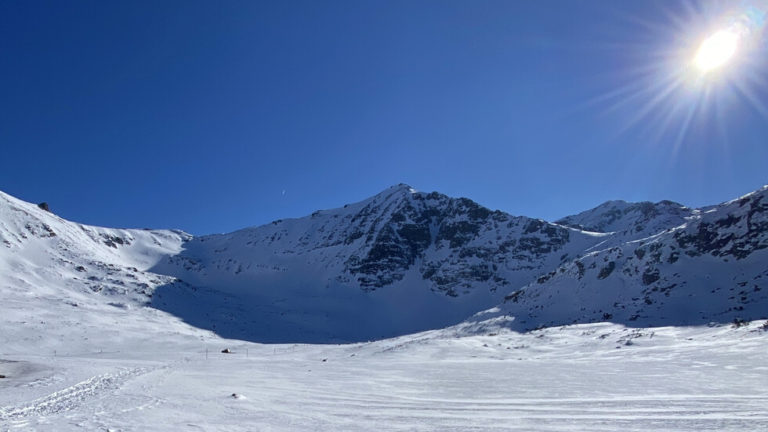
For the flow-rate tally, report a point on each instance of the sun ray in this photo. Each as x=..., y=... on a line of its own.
x=712, y=57
x=657, y=98
x=756, y=103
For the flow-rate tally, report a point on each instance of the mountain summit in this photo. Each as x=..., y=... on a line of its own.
x=403, y=261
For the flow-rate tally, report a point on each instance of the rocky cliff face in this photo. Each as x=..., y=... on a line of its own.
x=624, y=221
x=713, y=268
x=451, y=246
x=454, y=244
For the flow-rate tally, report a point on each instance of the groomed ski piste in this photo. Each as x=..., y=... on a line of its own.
x=83, y=347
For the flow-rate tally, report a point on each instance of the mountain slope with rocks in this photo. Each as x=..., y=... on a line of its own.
x=711, y=269
x=399, y=262
x=63, y=281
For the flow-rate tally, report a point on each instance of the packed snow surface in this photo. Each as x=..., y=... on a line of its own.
x=596, y=377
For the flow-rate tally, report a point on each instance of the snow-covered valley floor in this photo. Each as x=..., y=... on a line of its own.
x=595, y=377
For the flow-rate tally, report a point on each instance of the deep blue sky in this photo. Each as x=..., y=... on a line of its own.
x=198, y=115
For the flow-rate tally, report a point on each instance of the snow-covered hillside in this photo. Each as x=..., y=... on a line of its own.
x=712, y=268
x=404, y=261
x=399, y=262
x=638, y=218
x=59, y=278
x=98, y=331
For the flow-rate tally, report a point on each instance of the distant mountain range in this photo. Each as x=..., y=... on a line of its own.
x=404, y=261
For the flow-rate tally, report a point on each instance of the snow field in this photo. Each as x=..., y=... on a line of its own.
x=574, y=378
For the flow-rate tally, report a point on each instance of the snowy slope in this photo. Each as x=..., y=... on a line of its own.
x=59, y=278
x=621, y=216
x=87, y=341
x=39, y=250
x=713, y=268
x=399, y=262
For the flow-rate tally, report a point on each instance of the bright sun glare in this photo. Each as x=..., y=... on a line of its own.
x=691, y=82
x=716, y=50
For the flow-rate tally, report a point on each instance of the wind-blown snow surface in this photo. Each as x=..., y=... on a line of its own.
x=598, y=377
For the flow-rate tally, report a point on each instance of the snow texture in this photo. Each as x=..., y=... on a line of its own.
x=586, y=324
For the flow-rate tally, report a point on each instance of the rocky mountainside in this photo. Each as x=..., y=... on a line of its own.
x=453, y=246
x=398, y=262
x=712, y=268
x=404, y=261
x=623, y=217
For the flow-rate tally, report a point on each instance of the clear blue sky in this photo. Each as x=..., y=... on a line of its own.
x=212, y=116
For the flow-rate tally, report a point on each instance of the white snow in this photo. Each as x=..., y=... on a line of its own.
x=82, y=348
x=585, y=377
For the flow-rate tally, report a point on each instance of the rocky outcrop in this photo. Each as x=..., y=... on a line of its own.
x=713, y=268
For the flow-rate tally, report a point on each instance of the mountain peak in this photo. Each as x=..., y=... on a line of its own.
x=621, y=216
x=401, y=187
x=393, y=193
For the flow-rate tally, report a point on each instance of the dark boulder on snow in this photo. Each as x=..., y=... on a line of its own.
x=44, y=206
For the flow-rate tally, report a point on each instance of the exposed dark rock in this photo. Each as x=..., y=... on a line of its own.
x=607, y=270
x=650, y=276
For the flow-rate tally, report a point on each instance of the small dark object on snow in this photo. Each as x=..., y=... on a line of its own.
x=2, y=376
x=80, y=268
x=44, y=206
x=235, y=395
x=325, y=360
x=226, y=351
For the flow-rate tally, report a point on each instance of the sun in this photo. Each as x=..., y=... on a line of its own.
x=687, y=73
x=716, y=50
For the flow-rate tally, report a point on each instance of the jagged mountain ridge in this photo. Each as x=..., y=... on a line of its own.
x=713, y=268
x=453, y=244
x=398, y=262
x=625, y=221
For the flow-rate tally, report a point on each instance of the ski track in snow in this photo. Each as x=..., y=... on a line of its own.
x=69, y=398
x=681, y=408
x=628, y=413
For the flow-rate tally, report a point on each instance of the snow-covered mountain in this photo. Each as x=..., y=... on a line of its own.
x=621, y=216
x=39, y=249
x=61, y=280
x=712, y=268
x=400, y=262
